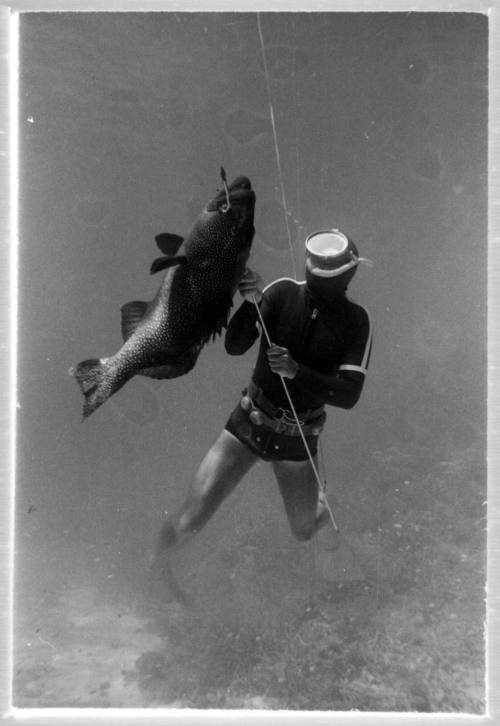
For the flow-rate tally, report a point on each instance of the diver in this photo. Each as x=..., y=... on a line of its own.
x=321, y=344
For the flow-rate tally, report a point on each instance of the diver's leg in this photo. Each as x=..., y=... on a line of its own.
x=226, y=462
x=304, y=503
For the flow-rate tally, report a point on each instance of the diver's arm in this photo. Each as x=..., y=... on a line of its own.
x=340, y=388
x=242, y=329
x=343, y=385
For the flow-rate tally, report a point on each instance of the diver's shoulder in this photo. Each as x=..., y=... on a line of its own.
x=284, y=283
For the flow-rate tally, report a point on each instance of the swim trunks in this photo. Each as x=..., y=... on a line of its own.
x=267, y=444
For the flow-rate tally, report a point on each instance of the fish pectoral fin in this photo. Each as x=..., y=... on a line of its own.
x=169, y=243
x=132, y=314
x=161, y=263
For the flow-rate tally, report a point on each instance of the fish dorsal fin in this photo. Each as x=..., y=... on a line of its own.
x=161, y=263
x=169, y=243
x=132, y=314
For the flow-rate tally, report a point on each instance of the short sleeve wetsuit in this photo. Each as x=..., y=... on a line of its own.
x=331, y=344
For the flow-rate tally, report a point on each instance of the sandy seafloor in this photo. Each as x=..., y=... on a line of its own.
x=390, y=620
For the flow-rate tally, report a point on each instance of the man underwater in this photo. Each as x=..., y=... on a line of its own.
x=321, y=343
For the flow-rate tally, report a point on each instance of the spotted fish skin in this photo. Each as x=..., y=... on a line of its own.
x=163, y=338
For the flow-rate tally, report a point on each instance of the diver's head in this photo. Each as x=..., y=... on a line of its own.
x=331, y=262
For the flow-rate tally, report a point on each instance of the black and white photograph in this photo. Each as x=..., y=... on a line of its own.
x=251, y=350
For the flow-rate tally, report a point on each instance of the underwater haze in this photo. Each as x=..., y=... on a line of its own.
x=374, y=123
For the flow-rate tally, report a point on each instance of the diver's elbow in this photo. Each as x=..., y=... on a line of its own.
x=344, y=400
x=352, y=399
x=238, y=344
x=348, y=405
x=233, y=348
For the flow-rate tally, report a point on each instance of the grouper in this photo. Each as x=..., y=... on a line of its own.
x=164, y=337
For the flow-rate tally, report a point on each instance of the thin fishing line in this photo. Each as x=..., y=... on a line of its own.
x=294, y=412
x=276, y=146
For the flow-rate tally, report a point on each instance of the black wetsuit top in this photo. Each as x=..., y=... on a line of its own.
x=331, y=344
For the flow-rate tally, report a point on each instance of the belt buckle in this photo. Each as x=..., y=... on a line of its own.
x=285, y=422
x=290, y=419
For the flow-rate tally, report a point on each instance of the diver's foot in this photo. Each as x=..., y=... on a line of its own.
x=164, y=582
x=161, y=572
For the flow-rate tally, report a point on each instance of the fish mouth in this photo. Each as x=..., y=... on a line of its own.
x=240, y=192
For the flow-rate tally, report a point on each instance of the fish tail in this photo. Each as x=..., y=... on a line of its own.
x=93, y=378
